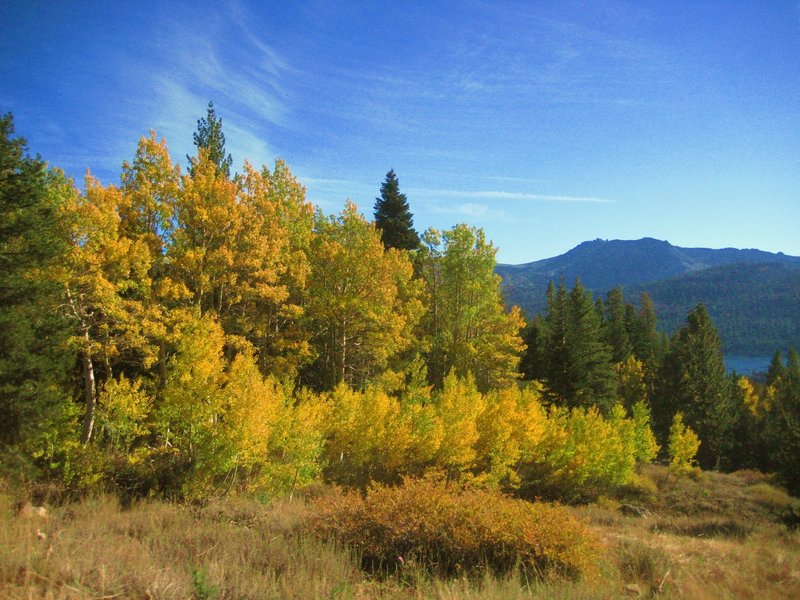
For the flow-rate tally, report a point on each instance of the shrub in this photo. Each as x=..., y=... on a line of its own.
x=581, y=455
x=683, y=445
x=639, y=562
x=449, y=529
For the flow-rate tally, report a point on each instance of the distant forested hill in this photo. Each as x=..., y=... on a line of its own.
x=753, y=296
x=756, y=307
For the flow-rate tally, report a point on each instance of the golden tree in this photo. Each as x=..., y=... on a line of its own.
x=362, y=302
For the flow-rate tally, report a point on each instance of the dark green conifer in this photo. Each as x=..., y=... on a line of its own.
x=577, y=359
x=393, y=217
x=533, y=362
x=615, y=329
x=33, y=362
x=783, y=423
x=776, y=368
x=694, y=382
x=209, y=136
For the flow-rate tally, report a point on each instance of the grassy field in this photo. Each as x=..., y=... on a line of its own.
x=706, y=536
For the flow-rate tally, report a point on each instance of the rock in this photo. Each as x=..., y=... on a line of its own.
x=29, y=511
x=634, y=511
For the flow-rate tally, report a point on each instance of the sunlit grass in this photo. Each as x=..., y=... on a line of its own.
x=244, y=548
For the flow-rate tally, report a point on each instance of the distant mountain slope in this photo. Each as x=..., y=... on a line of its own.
x=756, y=307
x=753, y=296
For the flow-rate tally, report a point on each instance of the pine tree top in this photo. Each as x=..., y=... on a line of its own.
x=210, y=137
x=393, y=217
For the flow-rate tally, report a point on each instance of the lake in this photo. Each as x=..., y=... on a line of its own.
x=745, y=365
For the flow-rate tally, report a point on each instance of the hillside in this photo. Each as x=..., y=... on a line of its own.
x=754, y=306
x=753, y=296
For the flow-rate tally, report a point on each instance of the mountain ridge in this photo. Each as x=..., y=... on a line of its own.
x=752, y=295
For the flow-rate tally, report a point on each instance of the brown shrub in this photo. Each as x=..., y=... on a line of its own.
x=451, y=530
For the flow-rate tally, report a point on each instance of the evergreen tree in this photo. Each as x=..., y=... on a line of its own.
x=648, y=345
x=615, y=330
x=532, y=365
x=31, y=333
x=783, y=423
x=776, y=368
x=642, y=333
x=210, y=138
x=393, y=217
x=578, y=360
x=693, y=381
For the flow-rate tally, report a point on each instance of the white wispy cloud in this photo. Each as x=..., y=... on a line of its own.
x=468, y=209
x=329, y=182
x=217, y=57
x=504, y=195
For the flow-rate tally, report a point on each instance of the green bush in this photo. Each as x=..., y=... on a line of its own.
x=448, y=529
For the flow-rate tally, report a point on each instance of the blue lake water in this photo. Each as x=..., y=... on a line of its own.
x=745, y=365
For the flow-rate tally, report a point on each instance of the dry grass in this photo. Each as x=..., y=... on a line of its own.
x=238, y=548
x=154, y=550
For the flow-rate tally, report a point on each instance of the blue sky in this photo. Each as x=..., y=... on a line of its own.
x=545, y=123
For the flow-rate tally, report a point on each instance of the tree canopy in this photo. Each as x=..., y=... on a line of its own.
x=186, y=334
x=393, y=216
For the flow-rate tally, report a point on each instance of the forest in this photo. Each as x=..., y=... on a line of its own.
x=189, y=335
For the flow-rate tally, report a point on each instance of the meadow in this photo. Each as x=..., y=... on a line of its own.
x=707, y=535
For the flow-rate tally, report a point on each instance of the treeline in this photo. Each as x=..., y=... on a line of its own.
x=188, y=334
x=599, y=353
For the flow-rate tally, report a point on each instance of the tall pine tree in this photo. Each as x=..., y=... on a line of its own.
x=578, y=368
x=693, y=381
x=614, y=326
x=785, y=420
x=32, y=366
x=393, y=217
x=210, y=138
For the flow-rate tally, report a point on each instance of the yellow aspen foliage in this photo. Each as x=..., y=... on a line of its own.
x=150, y=186
x=189, y=416
x=581, y=454
x=511, y=428
x=202, y=254
x=254, y=408
x=272, y=443
x=459, y=404
x=98, y=278
x=421, y=416
x=272, y=268
x=426, y=431
x=683, y=446
x=298, y=444
x=646, y=446
x=531, y=419
x=368, y=440
x=622, y=446
x=631, y=384
x=750, y=397
x=362, y=303
x=124, y=411
x=497, y=447
x=468, y=329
